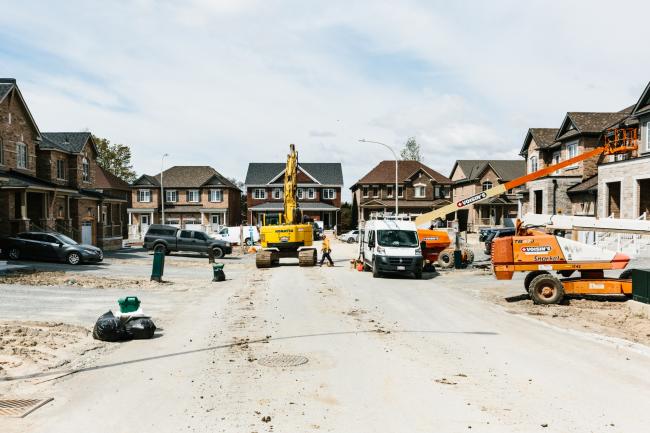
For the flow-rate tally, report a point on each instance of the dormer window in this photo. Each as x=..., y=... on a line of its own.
x=487, y=185
x=420, y=191
x=85, y=170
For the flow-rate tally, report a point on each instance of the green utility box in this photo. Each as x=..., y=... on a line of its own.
x=158, y=264
x=128, y=304
x=641, y=285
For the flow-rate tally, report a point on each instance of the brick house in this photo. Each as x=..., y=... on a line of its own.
x=571, y=189
x=319, y=191
x=48, y=180
x=470, y=177
x=420, y=189
x=196, y=197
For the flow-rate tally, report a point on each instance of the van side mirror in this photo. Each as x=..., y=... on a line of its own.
x=371, y=243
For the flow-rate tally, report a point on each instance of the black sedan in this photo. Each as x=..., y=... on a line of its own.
x=50, y=246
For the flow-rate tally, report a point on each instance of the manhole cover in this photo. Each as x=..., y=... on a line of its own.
x=283, y=360
x=19, y=408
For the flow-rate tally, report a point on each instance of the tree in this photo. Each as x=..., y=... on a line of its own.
x=411, y=151
x=115, y=158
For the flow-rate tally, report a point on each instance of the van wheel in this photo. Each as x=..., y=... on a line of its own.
x=14, y=253
x=217, y=252
x=546, y=289
x=418, y=274
x=375, y=271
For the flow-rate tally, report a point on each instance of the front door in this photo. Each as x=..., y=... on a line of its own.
x=215, y=220
x=144, y=224
x=87, y=232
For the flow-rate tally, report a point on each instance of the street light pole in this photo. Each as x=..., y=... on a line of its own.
x=396, y=177
x=162, y=189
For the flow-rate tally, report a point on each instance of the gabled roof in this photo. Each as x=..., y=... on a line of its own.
x=6, y=86
x=544, y=137
x=643, y=104
x=588, y=185
x=193, y=176
x=576, y=123
x=146, y=180
x=384, y=172
x=325, y=173
x=68, y=142
x=104, y=179
x=506, y=169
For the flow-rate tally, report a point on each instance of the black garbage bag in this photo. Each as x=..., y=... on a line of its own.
x=140, y=328
x=109, y=328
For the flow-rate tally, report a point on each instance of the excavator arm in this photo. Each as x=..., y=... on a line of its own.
x=616, y=141
x=291, y=212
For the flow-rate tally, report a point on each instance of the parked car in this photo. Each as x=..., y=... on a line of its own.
x=497, y=233
x=233, y=234
x=350, y=237
x=170, y=238
x=49, y=246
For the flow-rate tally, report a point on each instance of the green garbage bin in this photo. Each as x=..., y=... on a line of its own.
x=641, y=285
x=128, y=304
x=158, y=266
x=217, y=271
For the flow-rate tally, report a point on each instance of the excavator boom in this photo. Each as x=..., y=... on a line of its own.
x=291, y=187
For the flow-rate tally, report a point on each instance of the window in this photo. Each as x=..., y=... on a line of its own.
x=390, y=190
x=277, y=193
x=311, y=193
x=375, y=191
x=60, y=169
x=441, y=191
x=487, y=185
x=259, y=193
x=556, y=158
x=85, y=167
x=400, y=191
x=572, y=150
x=144, y=195
x=21, y=155
x=420, y=191
x=329, y=194
x=533, y=164
x=200, y=236
x=300, y=194
x=364, y=191
x=647, y=136
x=216, y=195
x=193, y=196
x=2, y=151
x=185, y=234
x=171, y=196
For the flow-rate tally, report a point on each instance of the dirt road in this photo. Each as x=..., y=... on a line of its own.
x=394, y=355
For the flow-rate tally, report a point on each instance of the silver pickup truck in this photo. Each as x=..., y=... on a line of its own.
x=170, y=238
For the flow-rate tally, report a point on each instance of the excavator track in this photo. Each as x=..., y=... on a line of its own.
x=307, y=258
x=263, y=259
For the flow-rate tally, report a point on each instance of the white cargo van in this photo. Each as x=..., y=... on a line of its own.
x=391, y=246
x=233, y=234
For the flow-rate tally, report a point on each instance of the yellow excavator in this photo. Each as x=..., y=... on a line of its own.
x=290, y=238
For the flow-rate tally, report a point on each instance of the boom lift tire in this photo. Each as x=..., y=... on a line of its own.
x=263, y=259
x=530, y=276
x=469, y=256
x=307, y=258
x=546, y=289
x=446, y=260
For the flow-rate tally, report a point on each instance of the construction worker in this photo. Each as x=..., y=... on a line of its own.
x=325, y=251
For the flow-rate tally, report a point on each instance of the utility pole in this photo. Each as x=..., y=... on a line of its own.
x=162, y=189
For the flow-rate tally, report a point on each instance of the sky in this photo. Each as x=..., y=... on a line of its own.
x=225, y=83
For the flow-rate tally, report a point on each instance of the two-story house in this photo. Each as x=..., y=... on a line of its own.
x=195, y=197
x=48, y=180
x=470, y=177
x=319, y=191
x=569, y=190
x=419, y=190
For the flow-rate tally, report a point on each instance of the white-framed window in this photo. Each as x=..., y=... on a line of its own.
x=571, y=151
x=300, y=193
x=277, y=193
x=400, y=191
x=171, y=196
x=441, y=191
x=329, y=194
x=420, y=191
x=311, y=193
x=60, y=169
x=85, y=170
x=259, y=193
x=390, y=190
x=364, y=191
x=192, y=195
x=144, y=195
x=556, y=158
x=375, y=191
x=21, y=155
x=647, y=136
x=533, y=164
x=486, y=185
x=216, y=195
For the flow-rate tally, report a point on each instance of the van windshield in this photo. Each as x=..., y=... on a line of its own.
x=397, y=238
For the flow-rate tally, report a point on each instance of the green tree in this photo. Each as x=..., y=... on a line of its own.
x=411, y=150
x=115, y=158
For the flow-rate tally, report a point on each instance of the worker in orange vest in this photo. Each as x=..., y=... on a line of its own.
x=325, y=250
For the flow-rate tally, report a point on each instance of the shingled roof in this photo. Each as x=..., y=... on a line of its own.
x=384, y=172
x=506, y=169
x=588, y=123
x=643, y=104
x=106, y=180
x=544, y=137
x=69, y=142
x=7, y=85
x=326, y=173
x=588, y=185
x=192, y=176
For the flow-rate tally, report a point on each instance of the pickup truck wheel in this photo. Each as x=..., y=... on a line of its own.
x=160, y=247
x=14, y=253
x=217, y=252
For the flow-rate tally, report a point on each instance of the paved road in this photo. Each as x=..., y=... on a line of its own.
x=393, y=355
